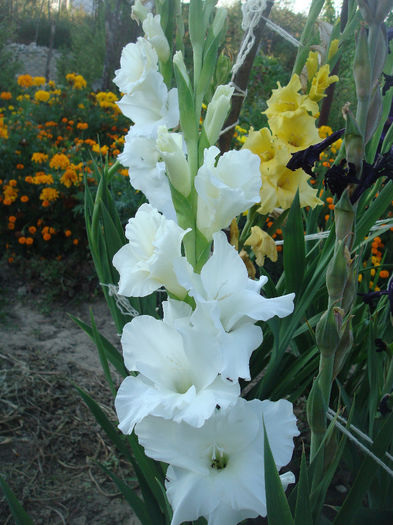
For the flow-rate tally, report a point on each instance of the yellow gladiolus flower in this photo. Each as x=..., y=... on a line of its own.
x=286, y=101
x=279, y=184
x=299, y=131
x=321, y=82
x=262, y=245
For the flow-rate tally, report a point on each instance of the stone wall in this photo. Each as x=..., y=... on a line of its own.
x=32, y=59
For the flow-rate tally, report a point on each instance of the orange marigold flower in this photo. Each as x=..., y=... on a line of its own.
x=29, y=179
x=12, y=218
x=75, y=241
x=68, y=233
x=46, y=236
x=22, y=240
x=32, y=229
x=48, y=195
x=69, y=177
x=384, y=274
x=5, y=95
x=25, y=80
x=39, y=158
x=10, y=260
x=11, y=226
x=24, y=198
x=29, y=241
x=12, y=182
x=82, y=125
x=124, y=172
x=59, y=161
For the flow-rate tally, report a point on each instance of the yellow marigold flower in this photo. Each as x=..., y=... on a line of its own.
x=312, y=64
x=262, y=245
x=49, y=194
x=69, y=177
x=325, y=131
x=333, y=48
x=321, y=82
x=103, y=150
x=39, y=158
x=124, y=172
x=39, y=81
x=5, y=95
x=279, y=184
x=79, y=82
x=25, y=81
x=59, y=161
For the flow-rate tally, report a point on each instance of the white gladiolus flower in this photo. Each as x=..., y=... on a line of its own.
x=152, y=106
x=178, y=372
x=170, y=146
x=146, y=173
x=224, y=281
x=156, y=36
x=217, y=471
x=217, y=111
x=140, y=10
x=138, y=61
x=146, y=262
x=226, y=189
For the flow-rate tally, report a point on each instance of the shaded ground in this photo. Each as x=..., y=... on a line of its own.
x=49, y=441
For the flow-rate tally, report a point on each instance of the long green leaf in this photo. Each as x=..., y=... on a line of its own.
x=303, y=512
x=294, y=248
x=18, y=512
x=278, y=511
x=132, y=499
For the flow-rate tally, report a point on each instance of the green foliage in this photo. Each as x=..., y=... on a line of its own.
x=8, y=65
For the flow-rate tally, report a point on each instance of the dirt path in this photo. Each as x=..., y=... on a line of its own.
x=49, y=441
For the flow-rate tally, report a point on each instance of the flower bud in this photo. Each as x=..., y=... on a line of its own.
x=326, y=333
x=333, y=48
x=217, y=112
x=156, y=36
x=343, y=347
x=312, y=64
x=344, y=215
x=139, y=11
x=361, y=65
x=316, y=409
x=350, y=289
x=170, y=147
x=353, y=139
x=337, y=274
x=374, y=114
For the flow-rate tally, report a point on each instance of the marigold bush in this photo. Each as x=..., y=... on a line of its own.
x=51, y=137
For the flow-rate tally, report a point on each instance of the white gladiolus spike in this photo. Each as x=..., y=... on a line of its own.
x=146, y=173
x=151, y=106
x=217, y=470
x=217, y=111
x=226, y=189
x=224, y=280
x=145, y=263
x=137, y=62
x=178, y=368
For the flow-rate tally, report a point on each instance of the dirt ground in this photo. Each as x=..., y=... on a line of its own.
x=49, y=441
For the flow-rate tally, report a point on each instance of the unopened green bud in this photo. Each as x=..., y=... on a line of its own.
x=337, y=274
x=326, y=333
x=138, y=11
x=156, y=36
x=353, y=139
x=362, y=70
x=223, y=69
x=350, y=289
x=344, y=346
x=170, y=146
x=344, y=215
x=217, y=112
x=374, y=114
x=316, y=409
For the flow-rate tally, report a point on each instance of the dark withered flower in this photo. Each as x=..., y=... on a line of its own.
x=387, y=84
x=372, y=297
x=306, y=158
x=339, y=176
x=382, y=167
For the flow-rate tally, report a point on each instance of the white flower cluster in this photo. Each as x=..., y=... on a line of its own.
x=183, y=399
